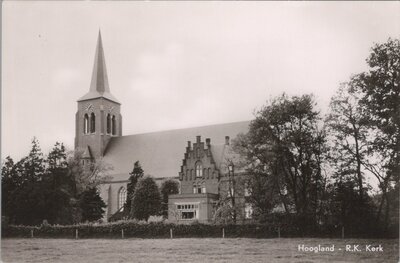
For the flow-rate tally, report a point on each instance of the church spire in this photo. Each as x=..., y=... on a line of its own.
x=99, y=85
x=99, y=76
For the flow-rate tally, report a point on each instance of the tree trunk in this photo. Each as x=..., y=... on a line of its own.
x=378, y=215
x=386, y=222
x=358, y=159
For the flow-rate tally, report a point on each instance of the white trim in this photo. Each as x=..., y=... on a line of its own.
x=186, y=203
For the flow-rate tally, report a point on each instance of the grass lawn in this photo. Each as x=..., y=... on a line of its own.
x=193, y=250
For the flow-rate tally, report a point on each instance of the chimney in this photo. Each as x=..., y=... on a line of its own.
x=198, y=138
x=208, y=142
x=226, y=140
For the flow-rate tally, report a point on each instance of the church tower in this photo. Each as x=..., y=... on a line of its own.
x=98, y=118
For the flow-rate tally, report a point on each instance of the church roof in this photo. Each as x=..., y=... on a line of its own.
x=161, y=153
x=99, y=87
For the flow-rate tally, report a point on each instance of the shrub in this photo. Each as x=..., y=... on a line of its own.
x=141, y=229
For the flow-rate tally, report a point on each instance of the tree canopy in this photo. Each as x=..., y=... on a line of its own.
x=146, y=200
x=168, y=187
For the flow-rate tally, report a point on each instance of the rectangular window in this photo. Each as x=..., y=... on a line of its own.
x=203, y=190
x=189, y=215
x=188, y=211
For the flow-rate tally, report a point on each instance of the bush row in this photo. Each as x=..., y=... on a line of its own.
x=162, y=230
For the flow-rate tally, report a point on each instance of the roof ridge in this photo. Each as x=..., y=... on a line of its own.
x=193, y=127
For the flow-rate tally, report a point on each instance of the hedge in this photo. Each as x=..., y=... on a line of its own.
x=134, y=229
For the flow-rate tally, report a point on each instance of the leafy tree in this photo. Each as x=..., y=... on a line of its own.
x=85, y=178
x=232, y=186
x=134, y=177
x=381, y=96
x=37, y=188
x=380, y=99
x=9, y=184
x=92, y=205
x=86, y=175
x=287, y=129
x=59, y=187
x=34, y=164
x=146, y=199
x=262, y=186
x=29, y=199
x=348, y=128
x=22, y=185
x=169, y=187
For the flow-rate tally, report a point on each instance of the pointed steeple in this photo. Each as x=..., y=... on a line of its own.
x=99, y=76
x=99, y=84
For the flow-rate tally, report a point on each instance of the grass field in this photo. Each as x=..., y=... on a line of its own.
x=192, y=250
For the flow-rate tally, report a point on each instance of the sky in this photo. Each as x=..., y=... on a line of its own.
x=176, y=64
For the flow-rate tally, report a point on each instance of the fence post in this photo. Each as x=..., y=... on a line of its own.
x=76, y=233
x=279, y=232
x=170, y=233
x=122, y=233
x=342, y=232
x=223, y=232
x=31, y=233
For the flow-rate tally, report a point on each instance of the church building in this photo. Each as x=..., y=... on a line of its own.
x=200, y=167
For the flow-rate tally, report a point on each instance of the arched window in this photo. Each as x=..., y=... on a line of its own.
x=113, y=125
x=108, y=123
x=86, y=124
x=92, y=123
x=199, y=169
x=121, y=198
x=209, y=173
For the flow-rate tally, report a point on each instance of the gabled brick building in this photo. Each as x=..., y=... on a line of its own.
x=99, y=135
x=205, y=178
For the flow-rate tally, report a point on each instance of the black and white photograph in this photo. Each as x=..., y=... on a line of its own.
x=200, y=131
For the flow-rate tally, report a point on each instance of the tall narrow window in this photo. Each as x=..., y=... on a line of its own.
x=113, y=125
x=92, y=123
x=108, y=123
x=199, y=169
x=121, y=197
x=86, y=124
